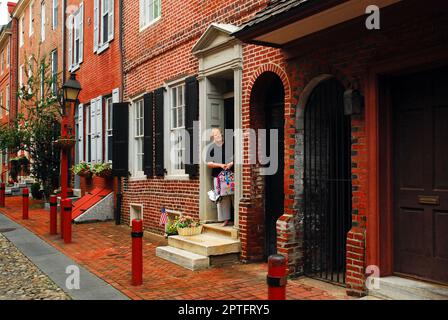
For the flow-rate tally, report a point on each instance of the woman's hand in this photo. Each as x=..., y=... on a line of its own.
x=228, y=166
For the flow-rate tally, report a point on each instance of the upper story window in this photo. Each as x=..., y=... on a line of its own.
x=76, y=38
x=21, y=31
x=31, y=25
x=103, y=14
x=42, y=21
x=150, y=11
x=8, y=56
x=1, y=104
x=7, y=99
x=2, y=62
x=54, y=20
x=54, y=71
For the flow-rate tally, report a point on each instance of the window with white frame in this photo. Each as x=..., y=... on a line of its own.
x=42, y=21
x=54, y=71
x=54, y=20
x=176, y=119
x=8, y=56
x=87, y=118
x=76, y=38
x=21, y=31
x=7, y=99
x=31, y=22
x=150, y=11
x=103, y=24
x=21, y=77
x=138, y=137
x=1, y=104
x=109, y=132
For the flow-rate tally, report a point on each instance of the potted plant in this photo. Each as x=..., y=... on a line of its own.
x=36, y=192
x=103, y=170
x=83, y=169
x=171, y=228
x=187, y=226
x=66, y=141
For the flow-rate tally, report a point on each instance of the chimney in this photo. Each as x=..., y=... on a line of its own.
x=11, y=6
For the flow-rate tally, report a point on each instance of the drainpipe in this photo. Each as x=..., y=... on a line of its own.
x=119, y=191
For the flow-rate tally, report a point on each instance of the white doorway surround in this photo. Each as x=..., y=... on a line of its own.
x=220, y=77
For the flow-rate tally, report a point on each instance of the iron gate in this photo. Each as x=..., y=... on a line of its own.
x=327, y=183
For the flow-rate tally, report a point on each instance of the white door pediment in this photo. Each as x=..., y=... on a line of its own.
x=216, y=35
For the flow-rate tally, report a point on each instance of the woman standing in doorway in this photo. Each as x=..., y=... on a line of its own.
x=219, y=160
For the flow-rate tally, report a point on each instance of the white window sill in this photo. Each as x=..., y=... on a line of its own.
x=150, y=24
x=75, y=67
x=177, y=177
x=102, y=48
x=137, y=177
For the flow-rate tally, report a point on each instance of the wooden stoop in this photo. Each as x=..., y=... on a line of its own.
x=215, y=246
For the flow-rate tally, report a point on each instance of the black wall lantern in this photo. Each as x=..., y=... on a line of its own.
x=353, y=102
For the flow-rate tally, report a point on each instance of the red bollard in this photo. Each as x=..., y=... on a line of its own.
x=25, y=205
x=53, y=215
x=67, y=224
x=137, y=252
x=61, y=219
x=277, y=277
x=2, y=194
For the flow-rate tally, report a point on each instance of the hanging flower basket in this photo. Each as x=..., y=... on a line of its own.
x=65, y=143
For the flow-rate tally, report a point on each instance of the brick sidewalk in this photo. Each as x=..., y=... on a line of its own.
x=105, y=249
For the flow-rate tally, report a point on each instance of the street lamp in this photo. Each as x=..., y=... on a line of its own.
x=70, y=92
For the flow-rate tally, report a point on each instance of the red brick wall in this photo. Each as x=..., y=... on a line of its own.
x=157, y=54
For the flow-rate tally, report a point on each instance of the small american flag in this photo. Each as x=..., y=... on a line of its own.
x=163, y=217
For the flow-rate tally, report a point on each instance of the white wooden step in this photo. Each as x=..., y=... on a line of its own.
x=205, y=244
x=397, y=288
x=218, y=229
x=183, y=258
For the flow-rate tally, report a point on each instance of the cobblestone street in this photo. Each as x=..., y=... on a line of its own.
x=22, y=280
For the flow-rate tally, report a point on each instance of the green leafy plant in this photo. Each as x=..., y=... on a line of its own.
x=36, y=192
x=171, y=228
x=83, y=169
x=102, y=169
x=187, y=222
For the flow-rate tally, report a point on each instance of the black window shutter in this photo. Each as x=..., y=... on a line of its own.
x=148, y=101
x=191, y=115
x=159, y=159
x=120, y=139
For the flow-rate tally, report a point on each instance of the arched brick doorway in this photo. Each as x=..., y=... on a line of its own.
x=327, y=181
x=268, y=112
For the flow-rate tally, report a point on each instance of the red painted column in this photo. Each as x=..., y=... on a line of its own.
x=25, y=203
x=276, y=279
x=61, y=219
x=2, y=194
x=137, y=252
x=53, y=215
x=64, y=160
x=66, y=204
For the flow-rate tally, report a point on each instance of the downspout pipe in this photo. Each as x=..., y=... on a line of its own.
x=119, y=180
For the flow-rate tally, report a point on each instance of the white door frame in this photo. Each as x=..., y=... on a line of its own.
x=219, y=52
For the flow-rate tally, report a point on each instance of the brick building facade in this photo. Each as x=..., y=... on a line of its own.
x=411, y=41
x=98, y=23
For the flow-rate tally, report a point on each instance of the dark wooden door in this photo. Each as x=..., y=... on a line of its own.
x=420, y=103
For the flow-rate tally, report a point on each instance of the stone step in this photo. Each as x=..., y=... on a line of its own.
x=205, y=244
x=398, y=288
x=218, y=229
x=183, y=258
